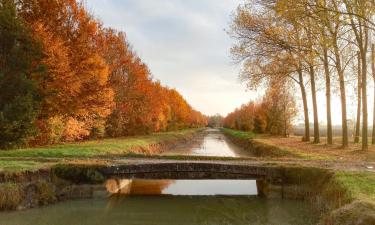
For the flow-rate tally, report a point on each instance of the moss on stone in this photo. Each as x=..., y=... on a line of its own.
x=79, y=174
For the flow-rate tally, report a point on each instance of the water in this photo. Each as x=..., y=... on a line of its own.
x=182, y=187
x=167, y=202
x=211, y=143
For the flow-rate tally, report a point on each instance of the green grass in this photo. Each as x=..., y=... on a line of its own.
x=105, y=147
x=360, y=185
x=239, y=134
x=21, y=165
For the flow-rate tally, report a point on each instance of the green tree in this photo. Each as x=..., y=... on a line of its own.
x=19, y=56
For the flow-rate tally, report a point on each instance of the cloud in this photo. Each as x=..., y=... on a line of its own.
x=185, y=45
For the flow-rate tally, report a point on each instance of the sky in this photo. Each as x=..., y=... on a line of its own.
x=185, y=44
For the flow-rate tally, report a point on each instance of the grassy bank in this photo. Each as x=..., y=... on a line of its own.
x=30, y=159
x=293, y=147
x=349, y=197
x=259, y=148
x=353, y=198
x=100, y=148
x=238, y=133
x=9, y=165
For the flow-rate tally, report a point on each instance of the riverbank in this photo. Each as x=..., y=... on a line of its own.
x=44, y=157
x=350, y=190
x=293, y=147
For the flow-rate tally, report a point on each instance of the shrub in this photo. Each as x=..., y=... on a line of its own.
x=11, y=196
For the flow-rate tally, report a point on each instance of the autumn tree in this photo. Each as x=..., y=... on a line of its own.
x=76, y=79
x=318, y=35
x=359, y=13
x=273, y=114
x=268, y=49
x=75, y=87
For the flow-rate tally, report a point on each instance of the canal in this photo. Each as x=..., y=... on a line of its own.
x=211, y=142
x=177, y=202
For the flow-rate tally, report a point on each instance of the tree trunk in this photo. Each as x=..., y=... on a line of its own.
x=373, y=77
x=364, y=103
x=328, y=98
x=305, y=106
x=345, y=139
x=359, y=102
x=315, y=105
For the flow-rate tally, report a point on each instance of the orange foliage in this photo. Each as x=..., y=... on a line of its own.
x=93, y=81
x=273, y=114
x=142, y=104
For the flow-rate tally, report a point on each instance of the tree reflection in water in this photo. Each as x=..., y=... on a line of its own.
x=137, y=187
x=120, y=189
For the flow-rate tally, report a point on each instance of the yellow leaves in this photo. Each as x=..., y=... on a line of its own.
x=97, y=70
x=74, y=130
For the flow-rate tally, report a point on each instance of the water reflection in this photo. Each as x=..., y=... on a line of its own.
x=212, y=142
x=181, y=187
x=137, y=187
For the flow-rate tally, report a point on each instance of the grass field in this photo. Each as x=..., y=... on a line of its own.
x=99, y=148
x=361, y=185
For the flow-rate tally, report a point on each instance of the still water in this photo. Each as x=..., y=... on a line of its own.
x=212, y=142
x=167, y=202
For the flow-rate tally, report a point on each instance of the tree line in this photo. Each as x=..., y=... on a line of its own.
x=273, y=114
x=66, y=77
x=309, y=42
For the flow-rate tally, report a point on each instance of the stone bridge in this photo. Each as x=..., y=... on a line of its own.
x=282, y=179
x=190, y=170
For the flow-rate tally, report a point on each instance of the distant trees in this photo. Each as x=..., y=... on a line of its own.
x=274, y=114
x=320, y=38
x=215, y=121
x=69, y=77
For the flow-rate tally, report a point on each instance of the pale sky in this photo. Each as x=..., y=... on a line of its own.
x=185, y=45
